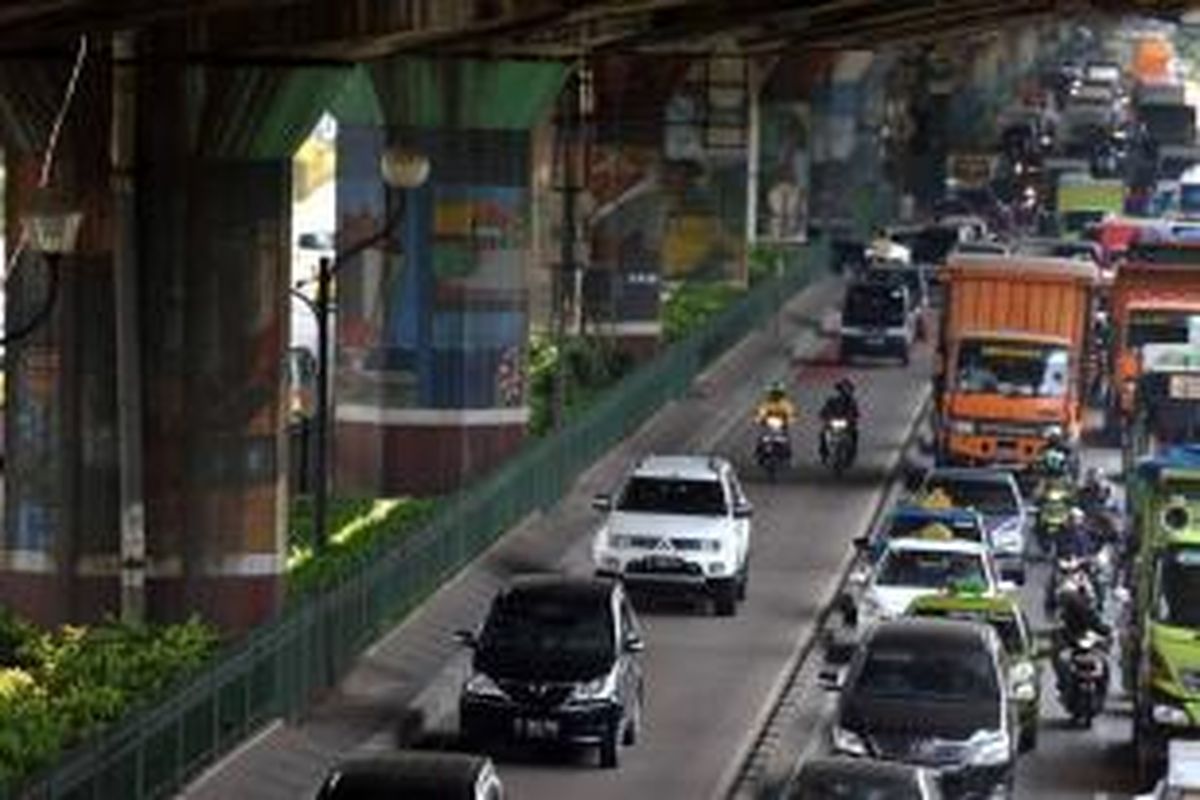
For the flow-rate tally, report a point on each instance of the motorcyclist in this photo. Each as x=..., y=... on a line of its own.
x=1095, y=496
x=776, y=404
x=842, y=404
x=1077, y=616
x=1077, y=538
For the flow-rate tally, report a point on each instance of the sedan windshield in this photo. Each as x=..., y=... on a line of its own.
x=547, y=637
x=986, y=497
x=928, y=675
x=1013, y=369
x=1179, y=588
x=673, y=496
x=930, y=570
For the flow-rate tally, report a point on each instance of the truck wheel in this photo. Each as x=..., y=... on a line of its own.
x=743, y=582
x=1148, y=751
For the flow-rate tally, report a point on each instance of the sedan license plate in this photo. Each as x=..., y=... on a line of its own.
x=536, y=728
x=876, y=338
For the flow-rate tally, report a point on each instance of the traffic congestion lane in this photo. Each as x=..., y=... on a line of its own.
x=1069, y=762
x=710, y=681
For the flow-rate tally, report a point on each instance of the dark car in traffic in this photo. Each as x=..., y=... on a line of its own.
x=932, y=693
x=413, y=775
x=557, y=661
x=842, y=778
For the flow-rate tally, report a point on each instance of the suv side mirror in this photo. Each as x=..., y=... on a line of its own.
x=634, y=644
x=743, y=510
x=466, y=638
x=602, y=502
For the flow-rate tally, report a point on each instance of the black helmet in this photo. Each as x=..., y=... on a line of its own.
x=845, y=387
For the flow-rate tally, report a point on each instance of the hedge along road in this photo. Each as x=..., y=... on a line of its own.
x=710, y=681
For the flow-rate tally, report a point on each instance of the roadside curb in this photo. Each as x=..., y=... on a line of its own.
x=743, y=777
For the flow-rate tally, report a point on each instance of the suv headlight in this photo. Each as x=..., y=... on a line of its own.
x=481, y=685
x=848, y=742
x=620, y=541
x=989, y=749
x=962, y=427
x=599, y=689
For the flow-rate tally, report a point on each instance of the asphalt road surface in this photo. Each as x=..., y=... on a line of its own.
x=710, y=680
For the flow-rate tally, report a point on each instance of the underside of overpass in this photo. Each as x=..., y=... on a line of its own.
x=187, y=238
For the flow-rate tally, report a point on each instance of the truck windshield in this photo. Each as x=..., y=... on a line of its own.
x=877, y=305
x=1178, y=600
x=1013, y=369
x=1160, y=327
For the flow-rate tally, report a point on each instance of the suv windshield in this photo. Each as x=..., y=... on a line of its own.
x=1013, y=369
x=986, y=497
x=546, y=637
x=1179, y=588
x=894, y=673
x=876, y=305
x=930, y=570
x=673, y=496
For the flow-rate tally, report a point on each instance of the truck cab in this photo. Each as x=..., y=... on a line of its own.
x=1161, y=650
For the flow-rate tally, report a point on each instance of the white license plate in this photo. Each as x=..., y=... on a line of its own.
x=536, y=728
x=875, y=340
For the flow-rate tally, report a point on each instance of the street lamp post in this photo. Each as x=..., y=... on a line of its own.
x=400, y=168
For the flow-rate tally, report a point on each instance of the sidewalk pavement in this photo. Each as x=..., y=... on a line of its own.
x=409, y=676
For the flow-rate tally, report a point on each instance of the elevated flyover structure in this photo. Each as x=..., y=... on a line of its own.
x=147, y=445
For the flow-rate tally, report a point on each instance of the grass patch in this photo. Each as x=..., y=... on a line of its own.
x=358, y=529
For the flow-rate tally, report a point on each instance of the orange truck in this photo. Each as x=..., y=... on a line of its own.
x=1014, y=331
x=1155, y=300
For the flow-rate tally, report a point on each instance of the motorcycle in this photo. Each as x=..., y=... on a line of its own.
x=774, y=449
x=1070, y=572
x=1052, y=514
x=1082, y=668
x=837, y=444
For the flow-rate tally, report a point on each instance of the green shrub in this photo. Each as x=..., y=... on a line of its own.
x=359, y=528
x=592, y=365
x=693, y=304
x=77, y=679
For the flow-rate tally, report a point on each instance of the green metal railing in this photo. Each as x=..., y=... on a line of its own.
x=282, y=666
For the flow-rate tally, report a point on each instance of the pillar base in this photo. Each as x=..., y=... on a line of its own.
x=394, y=452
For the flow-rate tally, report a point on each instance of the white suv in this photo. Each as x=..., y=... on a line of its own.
x=679, y=523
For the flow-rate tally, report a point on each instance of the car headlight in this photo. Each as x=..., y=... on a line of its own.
x=962, y=427
x=1170, y=715
x=599, y=689
x=1008, y=537
x=481, y=685
x=848, y=742
x=1053, y=430
x=989, y=749
x=620, y=541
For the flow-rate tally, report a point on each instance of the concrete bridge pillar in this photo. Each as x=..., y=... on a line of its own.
x=433, y=324
x=213, y=193
x=60, y=537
